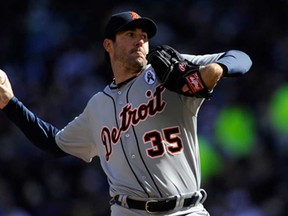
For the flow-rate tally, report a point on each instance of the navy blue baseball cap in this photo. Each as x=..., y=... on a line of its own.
x=129, y=20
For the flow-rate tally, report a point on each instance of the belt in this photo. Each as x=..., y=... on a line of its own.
x=161, y=205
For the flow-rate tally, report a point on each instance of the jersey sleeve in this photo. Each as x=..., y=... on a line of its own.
x=203, y=59
x=76, y=138
x=235, y=61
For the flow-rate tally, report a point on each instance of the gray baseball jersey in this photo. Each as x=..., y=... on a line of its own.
x=144, y=134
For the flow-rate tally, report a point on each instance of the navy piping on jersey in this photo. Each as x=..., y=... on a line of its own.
x=141, y=156
x=115, y=112
x=137, y=142
x=116, y=86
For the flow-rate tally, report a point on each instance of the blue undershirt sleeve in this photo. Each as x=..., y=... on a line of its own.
x=39, y=132
x=236, y=62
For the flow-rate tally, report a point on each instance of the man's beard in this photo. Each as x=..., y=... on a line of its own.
x=139, y=64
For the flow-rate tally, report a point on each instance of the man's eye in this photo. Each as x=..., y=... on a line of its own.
x=144, y=37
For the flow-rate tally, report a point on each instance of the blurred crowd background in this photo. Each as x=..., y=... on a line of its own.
x=52, y=52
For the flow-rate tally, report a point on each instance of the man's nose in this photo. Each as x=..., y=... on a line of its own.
x=140, y=42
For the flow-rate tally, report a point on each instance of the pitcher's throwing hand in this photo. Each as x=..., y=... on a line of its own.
x=6, y=92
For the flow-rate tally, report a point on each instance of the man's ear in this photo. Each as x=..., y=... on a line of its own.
x=107, y=44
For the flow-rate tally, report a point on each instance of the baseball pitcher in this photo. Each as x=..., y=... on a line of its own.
x=143, y=125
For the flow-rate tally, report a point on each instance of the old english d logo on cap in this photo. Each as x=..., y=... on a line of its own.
x=134, y=15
